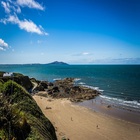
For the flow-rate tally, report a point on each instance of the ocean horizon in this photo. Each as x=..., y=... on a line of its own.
x=118, y=84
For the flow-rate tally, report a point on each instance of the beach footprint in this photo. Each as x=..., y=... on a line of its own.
x=61, y=134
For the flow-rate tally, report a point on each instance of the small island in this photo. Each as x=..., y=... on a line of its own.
x=57, y=63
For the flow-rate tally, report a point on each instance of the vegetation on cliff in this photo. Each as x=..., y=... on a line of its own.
x=20, y=116
x=18, y=78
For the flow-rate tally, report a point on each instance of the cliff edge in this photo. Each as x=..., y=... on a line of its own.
x=20, y=116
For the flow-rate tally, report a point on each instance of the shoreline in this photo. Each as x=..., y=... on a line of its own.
x=77, y=122
x=102, y=106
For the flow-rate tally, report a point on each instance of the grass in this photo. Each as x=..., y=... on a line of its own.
x=20, y=116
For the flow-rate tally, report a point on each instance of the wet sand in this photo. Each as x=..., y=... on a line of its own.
x=79, y=123
x=102, y=106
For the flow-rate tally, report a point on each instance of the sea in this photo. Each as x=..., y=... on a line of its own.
x=118, y=84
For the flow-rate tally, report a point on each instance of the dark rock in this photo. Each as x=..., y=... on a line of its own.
x=39, y=88
x=55, y=89
x=76, y=89
x=50, y=92
x=67, y=90
x=44, y=84
x=33, y=80
x=109, y=106
x=50, y=84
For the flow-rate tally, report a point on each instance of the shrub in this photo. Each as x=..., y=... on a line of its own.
x=13, y=123
x=11, y=87
x=20, y=117
x=1, y=87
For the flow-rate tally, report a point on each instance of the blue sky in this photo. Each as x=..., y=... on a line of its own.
x=73, y=31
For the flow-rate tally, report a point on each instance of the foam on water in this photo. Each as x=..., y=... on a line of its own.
x=81, y=83
x=57, y=79
x=132, y=104
x=95, y=88
x=116, y=101
x=77, y=79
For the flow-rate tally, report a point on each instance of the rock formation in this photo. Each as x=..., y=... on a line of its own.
x=66, y=88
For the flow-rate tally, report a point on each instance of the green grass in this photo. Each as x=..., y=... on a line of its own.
x=26, y=119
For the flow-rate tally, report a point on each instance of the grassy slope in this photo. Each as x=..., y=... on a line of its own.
x=20, y=116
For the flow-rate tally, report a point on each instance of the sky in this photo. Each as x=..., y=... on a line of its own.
x=72, y=31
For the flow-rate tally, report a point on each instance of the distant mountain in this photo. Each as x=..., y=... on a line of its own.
x=57, y=63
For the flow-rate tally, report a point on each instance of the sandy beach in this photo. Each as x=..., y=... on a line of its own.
x=79, y=123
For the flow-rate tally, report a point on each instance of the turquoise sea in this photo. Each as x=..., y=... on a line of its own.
x=119, y=84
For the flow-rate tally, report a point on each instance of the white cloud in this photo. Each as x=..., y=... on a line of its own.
x=85, y=53
x=18, y=10
x=10, y=6
x=14, y=6
x=1, y=49
x=6, y=6
x=30, y=4
x=25, y=24
x=3, y=44
x=29, y=26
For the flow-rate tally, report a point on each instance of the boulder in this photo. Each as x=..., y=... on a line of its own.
x=55, y=89
x=44, y=84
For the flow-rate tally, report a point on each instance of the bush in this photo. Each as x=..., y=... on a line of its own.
x=1, y=73
x=26, y=119
x=11, y=87
x=13, y=123
x=1, y=87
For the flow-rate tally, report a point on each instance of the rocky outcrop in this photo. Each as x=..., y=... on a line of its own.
x=41, y=86
x=66, y=88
